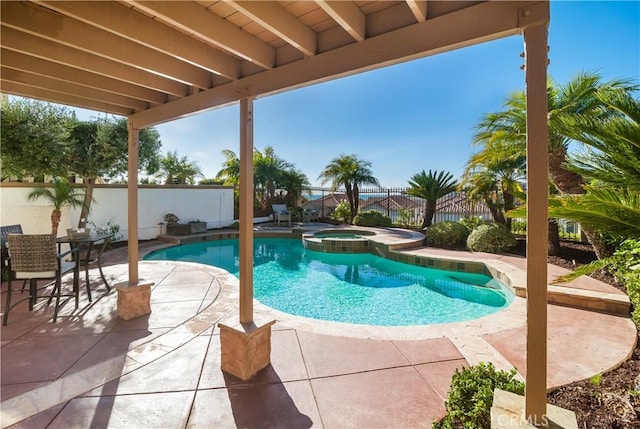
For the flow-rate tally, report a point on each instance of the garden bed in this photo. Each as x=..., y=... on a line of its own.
x=611, y=401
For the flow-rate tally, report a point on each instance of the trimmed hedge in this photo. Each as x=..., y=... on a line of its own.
x=371, y=218
x=491, y=238
x=446, y=234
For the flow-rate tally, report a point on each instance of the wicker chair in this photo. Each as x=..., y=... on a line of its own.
x=4, y=232
x=34, y=257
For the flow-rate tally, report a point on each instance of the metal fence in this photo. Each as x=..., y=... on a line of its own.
x=402, y=208
x=408, y=210
x=568, y=230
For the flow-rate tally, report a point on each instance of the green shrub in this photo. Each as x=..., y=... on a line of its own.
x=372, y=218
x=631, y=281
x=491, y=238
x=472, y=222
x=342, y=212
x=446, y=234
x=625, y=267
x=471, y=395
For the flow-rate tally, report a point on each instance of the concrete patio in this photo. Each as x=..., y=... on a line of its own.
x=92, y=369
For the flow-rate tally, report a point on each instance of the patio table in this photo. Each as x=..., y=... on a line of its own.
x=86, y=246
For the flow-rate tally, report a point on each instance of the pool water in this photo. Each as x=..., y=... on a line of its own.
x=353, y=288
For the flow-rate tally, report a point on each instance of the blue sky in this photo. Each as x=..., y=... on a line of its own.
x=414, y=116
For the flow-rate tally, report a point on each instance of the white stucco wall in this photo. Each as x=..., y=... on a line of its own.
x=211, y=204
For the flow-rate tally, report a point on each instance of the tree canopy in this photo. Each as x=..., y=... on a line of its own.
x=33, y=138
x=43, y=139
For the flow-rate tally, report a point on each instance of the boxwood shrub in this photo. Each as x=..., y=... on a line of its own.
x=471, y=395
x=371, y=218
x=446, y=234
x=491, y=238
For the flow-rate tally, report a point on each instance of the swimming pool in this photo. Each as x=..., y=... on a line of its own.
x=352, y=288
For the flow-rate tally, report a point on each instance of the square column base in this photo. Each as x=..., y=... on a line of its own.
x=245, y=351
x=133, y=300
x=507, y=412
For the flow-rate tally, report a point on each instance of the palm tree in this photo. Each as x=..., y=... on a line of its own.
x=577, y=97
x=611, y=203
x=230, y=172
x=361, y=175
x=294, y=182
x=615, y=159
x=268, y=168
x=430, y=187
x=494, y=176
x=483, y=185
x=179, y=170
x=614, y=211
x=60, y=194
x=350, y=172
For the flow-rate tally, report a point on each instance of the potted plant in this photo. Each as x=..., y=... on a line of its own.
x=173, y=227
x=176, y=228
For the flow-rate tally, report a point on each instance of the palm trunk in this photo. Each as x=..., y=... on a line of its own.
x=356, y=200
x=495, y=212
x=509, y=204
x=566, y=181
x=55, y=221
x=349, y=191
x=572, y=183
x=429, y=211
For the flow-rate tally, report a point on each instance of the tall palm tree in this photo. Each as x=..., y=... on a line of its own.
x=268, y=168
x=494, y=176
x=351, y=172
x=362, y=175
x=179, y=170
x=578, y=96
x=484, y=185
x=431, y=186
x=295, y=183
x=230, y=172
x=60, y=194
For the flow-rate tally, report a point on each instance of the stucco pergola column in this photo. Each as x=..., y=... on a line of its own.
x=134, y=298
x=535, y=41
x=246, y=210
x=246, y=347
x=132, y=201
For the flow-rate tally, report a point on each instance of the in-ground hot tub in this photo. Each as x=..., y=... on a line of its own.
x=338, y=241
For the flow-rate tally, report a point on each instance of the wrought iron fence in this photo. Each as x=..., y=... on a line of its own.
x=402, y=208
x=568, y=230
x=408, y=210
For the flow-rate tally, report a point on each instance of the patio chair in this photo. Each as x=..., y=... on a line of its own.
x=281, y=214
x=93, y=256
x=34, y=257
x=310, y=216
x=4, y=232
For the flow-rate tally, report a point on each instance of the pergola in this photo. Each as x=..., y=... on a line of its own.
x=157, y=61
